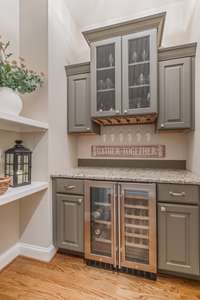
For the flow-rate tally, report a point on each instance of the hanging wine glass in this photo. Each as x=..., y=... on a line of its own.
x=141, y=79
x=109, y=84
x=144, y=55
x=111, y=60
x=135, y=56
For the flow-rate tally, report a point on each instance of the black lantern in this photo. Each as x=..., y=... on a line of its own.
x=18, y=165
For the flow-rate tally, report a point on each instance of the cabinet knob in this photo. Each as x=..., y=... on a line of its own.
x=162, y=125
x=163, y=209
x=88, y=129
x=117, y=112
x=126, y=111
x=80, y=201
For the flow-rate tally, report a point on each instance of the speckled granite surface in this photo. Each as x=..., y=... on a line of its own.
x=133, y=175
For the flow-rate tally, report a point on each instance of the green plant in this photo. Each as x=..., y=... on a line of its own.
x=16, y=75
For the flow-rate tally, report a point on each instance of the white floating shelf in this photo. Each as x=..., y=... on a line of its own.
x=11, y=122
x=14, y=194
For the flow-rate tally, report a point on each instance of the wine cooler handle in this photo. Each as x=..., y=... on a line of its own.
x=119, y=224
x=114, y=228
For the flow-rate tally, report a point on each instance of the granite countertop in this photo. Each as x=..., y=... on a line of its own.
x=133, y=175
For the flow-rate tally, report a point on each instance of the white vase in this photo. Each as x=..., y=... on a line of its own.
x=10, y=101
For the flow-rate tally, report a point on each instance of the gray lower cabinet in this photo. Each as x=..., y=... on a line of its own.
x=175, y=94
x=69, y=216
x=178, y=238
x=79, y=100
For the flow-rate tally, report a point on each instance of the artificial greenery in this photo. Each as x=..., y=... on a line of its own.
x=16, y=75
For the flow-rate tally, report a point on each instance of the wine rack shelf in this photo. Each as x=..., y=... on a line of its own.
x=136, y=207
x=136, y=226
x=136, y=197
x=102, y=204
x=102, y=222
x=137, y=245
x=143, y=218
x=103, y=240
x=134, y=235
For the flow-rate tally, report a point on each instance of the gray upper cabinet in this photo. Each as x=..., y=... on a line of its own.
x=69, y=222
x=176, y=94
x=124, y=75
x=178, y=238
x=139, y=59
x=79, y=100
x=106, y=77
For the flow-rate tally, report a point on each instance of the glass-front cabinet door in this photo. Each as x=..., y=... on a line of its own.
x=106, y=77
x=139, y=61
x=100, y=222
x=137, y=214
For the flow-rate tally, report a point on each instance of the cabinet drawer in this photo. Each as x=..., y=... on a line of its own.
x=178, y=193
x=70, y=186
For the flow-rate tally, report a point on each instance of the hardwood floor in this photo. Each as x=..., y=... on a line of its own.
x=68, y=278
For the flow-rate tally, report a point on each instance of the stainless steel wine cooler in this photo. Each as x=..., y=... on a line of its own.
x=120, y=225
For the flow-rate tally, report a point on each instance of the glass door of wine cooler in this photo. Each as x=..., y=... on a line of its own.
x=140, y=73
x=137, y=214
x=106, y=77
x=100, y=222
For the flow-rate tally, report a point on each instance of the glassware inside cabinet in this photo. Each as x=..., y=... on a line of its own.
x=105, y=69
x=139, y=50
x=101, y=221
x=139, y=65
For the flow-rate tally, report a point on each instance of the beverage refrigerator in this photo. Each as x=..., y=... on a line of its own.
x=120, y=226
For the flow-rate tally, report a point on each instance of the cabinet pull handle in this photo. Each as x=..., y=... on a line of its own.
x=69, y=187
x=80, y=201
x=173, y=194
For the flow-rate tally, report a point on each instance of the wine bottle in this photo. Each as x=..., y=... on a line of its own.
x=97, y=214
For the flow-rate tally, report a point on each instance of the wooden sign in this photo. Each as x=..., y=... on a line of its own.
x=134, y=151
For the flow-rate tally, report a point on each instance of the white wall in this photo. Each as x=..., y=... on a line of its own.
x=9, y=23
x=113, y=11
x=194, y=138
x=35, y=213
x=9, y=215
x=66, y=46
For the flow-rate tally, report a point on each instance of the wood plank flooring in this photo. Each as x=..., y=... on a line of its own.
x=68, y=278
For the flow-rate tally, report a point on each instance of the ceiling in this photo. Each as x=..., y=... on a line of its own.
x=92, y=13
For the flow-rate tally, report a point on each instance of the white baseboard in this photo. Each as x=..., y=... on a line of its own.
x=31, y=251
x=7, y=257
x=40, y=253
